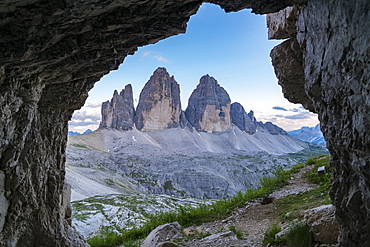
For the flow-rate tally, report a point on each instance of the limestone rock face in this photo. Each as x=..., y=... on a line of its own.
x=159, y=103
x=245, y=122
x=281, y=25
x=119, y=113
x=209, y=107
x=290, y=72
x=332, y=47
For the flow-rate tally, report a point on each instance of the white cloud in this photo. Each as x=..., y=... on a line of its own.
x=146, y=53
x=290, y=118
x=88, y=117
x=154, y=55
x=161, y=59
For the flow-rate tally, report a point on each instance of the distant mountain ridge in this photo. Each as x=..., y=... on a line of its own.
x=309, y=134
x=209, y=108
x=74, y=133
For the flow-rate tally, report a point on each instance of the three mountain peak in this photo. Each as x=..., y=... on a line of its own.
x=209, y=108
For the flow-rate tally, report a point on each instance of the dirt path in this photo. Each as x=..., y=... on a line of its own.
x=253, y=220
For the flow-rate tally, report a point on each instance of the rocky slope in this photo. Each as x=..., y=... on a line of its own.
x=175, y=161
x=123, y=211
x=160, y=166
x=309, y=134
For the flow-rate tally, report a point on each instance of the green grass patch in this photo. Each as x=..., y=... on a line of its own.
x=237, y=231
x=80, y=146
x=269, y=237
x=246, y=157
x=312, y=198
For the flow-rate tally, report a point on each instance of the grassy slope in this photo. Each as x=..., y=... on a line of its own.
x=223, y=208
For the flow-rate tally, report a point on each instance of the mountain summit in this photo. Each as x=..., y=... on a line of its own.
x=209, y=109
x=159, y=103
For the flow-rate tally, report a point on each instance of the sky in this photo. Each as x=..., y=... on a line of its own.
x=231, y=47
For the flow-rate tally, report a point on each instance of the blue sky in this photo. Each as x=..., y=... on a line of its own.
x=231, y=47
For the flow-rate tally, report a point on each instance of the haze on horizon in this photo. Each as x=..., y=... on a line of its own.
x=231, y=47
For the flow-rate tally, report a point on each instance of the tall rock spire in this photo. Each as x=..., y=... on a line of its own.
x=159, y=103
x=119, y=112
x=209, y=107
x=245, y=122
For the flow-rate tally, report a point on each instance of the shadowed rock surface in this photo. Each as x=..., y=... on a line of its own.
x=331, y=48
x=52, y=52
x=245, y=122
x=159, y=103
x=119, y=113
x=209, y=107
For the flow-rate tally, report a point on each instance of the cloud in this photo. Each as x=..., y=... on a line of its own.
x=146, y=53
x=299, y=116
x=154, y=55
x=88, y=117
x=279, y=108
x=290, y=118
x=92, y=104
x=161, y=59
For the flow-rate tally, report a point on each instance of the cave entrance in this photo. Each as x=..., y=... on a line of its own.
x=231, y=47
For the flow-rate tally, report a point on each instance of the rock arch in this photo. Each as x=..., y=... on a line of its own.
x=52, y=53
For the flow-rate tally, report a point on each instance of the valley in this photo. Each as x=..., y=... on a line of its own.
x=158, y=157
x=119, y=177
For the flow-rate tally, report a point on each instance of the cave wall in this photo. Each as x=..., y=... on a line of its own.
x=325, y=65
x=51, y=54
x=53, y=51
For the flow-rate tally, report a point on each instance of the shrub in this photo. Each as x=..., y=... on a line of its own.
x=269, y=237
x=299, y=235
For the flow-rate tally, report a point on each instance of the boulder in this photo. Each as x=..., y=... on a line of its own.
x=323, y=224
x=161, y=236
x=209, y=107
x=159, y=103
